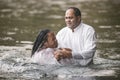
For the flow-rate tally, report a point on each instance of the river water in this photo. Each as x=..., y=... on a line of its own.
x=21, y=20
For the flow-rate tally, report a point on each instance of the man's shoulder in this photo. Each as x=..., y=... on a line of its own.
x=87, y=27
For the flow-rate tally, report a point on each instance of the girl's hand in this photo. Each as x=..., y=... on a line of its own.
x=63, y=53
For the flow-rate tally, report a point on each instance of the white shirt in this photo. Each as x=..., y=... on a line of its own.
x=82, y=42
x=45, y=56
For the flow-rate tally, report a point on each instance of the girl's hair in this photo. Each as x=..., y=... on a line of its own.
x=39, y=42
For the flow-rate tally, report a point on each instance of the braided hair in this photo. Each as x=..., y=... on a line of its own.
x=39, y=42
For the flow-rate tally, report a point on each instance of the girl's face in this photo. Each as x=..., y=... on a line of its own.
x=51, y=40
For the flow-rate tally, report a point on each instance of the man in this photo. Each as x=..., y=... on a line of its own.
x=77, y=36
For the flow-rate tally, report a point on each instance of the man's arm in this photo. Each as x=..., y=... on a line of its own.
x=86, y=55
x=63, y=53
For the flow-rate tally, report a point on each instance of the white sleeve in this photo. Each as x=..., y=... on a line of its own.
x=86, y=56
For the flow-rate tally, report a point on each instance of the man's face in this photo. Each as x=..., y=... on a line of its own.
x=71, y=20
x=51, y=40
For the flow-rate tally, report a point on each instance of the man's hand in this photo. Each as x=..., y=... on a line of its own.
x=63, y=53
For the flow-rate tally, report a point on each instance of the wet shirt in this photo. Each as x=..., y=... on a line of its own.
x=44, y=56
x=82, y=41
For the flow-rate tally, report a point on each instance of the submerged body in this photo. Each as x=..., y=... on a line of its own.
x=45, y=56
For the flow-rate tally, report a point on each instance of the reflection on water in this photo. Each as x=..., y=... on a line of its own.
x=20, y=22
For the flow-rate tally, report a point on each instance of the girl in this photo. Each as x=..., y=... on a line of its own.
x=45, y=49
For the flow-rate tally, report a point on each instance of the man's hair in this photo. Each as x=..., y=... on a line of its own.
x=77, y=12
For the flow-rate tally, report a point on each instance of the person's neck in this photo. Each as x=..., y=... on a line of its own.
x=44, y=47
x=75, y=26
x=72, y=29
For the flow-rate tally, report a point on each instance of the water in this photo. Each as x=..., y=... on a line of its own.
x=20, y=22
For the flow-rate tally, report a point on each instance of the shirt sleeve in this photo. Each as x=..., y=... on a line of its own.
x=59, y=38
x=86, y=55
x=90, y=45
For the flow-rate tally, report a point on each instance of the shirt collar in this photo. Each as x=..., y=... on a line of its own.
x=75, y=29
